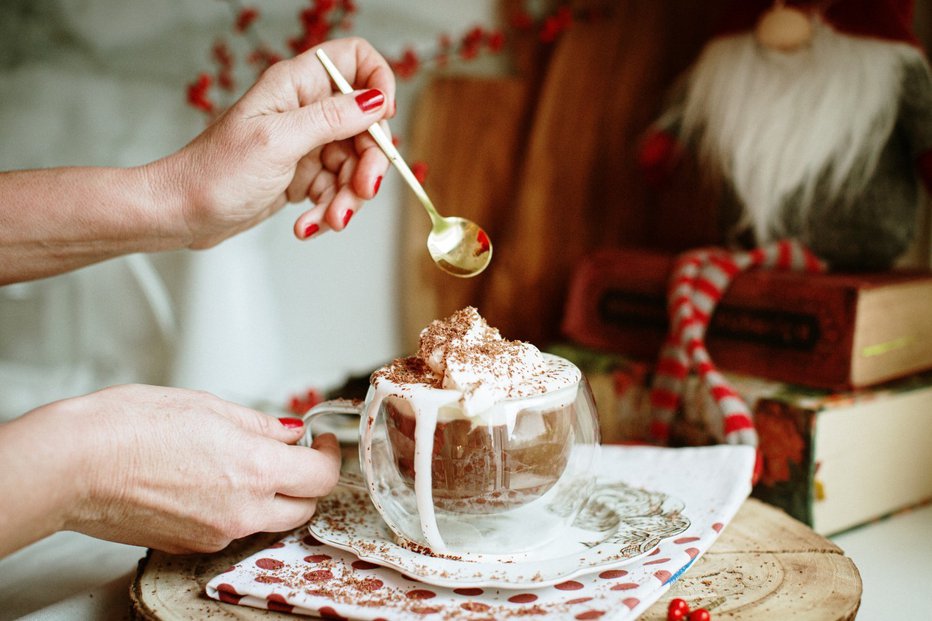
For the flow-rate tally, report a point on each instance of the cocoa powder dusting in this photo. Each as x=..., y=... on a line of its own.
x=349, y=584
x=410, y=370
x=452, y=329
x=463, y=352
x=485, y=352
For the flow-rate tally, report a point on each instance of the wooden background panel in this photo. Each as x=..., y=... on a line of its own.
x=546, y=162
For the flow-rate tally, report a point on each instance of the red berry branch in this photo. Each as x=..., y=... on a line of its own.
x=321, y=20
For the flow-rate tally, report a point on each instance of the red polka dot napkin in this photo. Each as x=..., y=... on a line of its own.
x=301, y=575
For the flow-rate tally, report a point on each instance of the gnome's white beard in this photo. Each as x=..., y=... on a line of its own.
x=776, y=124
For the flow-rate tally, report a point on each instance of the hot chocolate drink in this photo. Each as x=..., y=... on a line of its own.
x=476, y=446
x=485, y=424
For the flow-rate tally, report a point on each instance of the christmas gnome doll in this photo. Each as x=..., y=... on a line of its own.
x=817, y=118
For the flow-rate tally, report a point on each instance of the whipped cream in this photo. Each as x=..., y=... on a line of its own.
x=464, y=369
x=464, y=354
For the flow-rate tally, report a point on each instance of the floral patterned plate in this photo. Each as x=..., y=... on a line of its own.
x=620, y=524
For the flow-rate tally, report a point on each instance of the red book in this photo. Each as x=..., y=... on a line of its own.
x=833, y=331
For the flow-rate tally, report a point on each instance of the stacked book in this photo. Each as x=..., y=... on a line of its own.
x=837, y=369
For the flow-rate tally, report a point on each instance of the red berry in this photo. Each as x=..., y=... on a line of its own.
x=419, y=169
x=325, y=6
x=245, y=18
x=700, y=614
x=677, y=610
x=313, y=396
x=225, y=80
x=496, y=41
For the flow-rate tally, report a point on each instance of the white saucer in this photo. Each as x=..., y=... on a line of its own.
x=620, y=524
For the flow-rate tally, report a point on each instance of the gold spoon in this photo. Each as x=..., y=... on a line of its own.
x=457, y=245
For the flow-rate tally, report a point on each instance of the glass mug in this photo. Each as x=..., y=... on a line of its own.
x=501, y=483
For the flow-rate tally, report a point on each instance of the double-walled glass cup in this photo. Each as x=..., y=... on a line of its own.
x=500, y=482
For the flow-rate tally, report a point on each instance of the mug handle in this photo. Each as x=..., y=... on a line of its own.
x=335, y=406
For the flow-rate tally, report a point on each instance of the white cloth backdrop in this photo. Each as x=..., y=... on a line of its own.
x=102, y=82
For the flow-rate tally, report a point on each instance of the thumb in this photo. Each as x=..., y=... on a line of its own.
x=333, y=118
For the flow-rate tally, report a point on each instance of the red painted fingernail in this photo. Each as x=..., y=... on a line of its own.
x=370, y=100
x=347, y=216
x=291, y=423
x=378, y=183
x=310, y=230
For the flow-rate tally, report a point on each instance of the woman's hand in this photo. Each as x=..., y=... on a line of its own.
x=172, y=469
x=290, y=137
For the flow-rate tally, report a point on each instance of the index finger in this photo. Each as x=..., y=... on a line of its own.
x=357, y=60
x=310, y=472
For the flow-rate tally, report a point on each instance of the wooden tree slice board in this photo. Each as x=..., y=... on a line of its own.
x=171, y=588
x=765, y=565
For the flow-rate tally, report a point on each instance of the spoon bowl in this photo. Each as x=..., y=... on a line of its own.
x=458, y=246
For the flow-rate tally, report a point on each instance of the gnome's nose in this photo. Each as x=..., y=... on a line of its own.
x=785, y=27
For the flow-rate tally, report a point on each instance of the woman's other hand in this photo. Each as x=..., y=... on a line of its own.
x=172, y=469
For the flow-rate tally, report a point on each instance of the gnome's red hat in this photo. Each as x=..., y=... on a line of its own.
x=891, y=20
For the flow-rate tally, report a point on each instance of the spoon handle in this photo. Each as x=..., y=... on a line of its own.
x=382, y=139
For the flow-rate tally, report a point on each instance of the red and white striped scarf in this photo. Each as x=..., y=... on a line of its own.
x=697, y=283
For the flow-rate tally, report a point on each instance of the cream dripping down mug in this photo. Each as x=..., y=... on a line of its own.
x=499, y=479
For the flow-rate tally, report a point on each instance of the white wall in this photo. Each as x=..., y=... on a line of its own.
x=102, y=82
